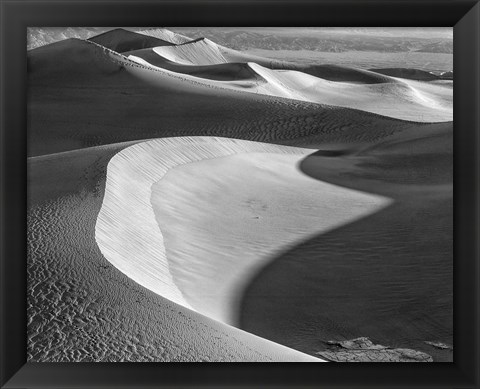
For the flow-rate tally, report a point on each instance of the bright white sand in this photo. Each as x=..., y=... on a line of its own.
x=166, y=35
x=81, y=309
x=193, y=219
x=158, y=201
x=202, y=52
x=402, y=99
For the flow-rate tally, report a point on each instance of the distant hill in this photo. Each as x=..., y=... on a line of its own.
x=262, y=38
x=323, y=41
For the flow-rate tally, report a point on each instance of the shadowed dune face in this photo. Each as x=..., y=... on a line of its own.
x=82, y=309
x=398, y=99
x=412, y=74
x=331, y=216
x=250, y=223
x=121, y=40
x=393, y=267
x=220, y=72
x=70, y=63
x=100, y=102
x=327, y=71
x=205, y=52
x=159, y=226
x=81, y=95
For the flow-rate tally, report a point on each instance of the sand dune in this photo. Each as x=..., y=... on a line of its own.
x=402, y=100
x=199, y=52
x=333, y=194
x=412, y=74
x=329, y=72
x=203, y=51
x=82, y=309
x=165, y=35
x=395, y=98
x=121, y=40
x=222, y=72
x=393, y=267
x=190, y=52
x=82, y=95
x=161, y=190
x=71, y=62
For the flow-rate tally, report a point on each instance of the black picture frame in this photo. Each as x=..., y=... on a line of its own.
x=17, y=15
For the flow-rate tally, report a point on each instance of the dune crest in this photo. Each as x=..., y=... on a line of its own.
x=198, y=52
x=404, y=99
x=163, y=189
x=191, y=202
x=166, y=35
x=121, y=40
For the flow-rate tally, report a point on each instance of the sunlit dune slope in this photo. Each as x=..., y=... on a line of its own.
x=407, y=100
x=222, y=72
x=165, y=35
x=157, y=219
x=97, y=97
x=203, y=51
x=393, y=267
x=354, y=88
x=198, y=52
x=332, y=213
x=327, y=71
x=81, y=309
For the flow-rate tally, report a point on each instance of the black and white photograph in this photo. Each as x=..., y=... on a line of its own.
x=240, y=194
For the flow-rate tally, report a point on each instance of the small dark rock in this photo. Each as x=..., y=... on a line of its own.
x=364, y=350
x=440, y=345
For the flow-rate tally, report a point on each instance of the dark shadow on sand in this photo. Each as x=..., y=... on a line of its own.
x=387, y=276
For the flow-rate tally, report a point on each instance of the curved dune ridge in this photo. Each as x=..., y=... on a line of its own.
x=199, y=52
x=99, y=97
x=83, y=94
x=82, y=309
x=189, y=202
x=228, y=71
x=165, y=199
x=327, y=71
x=122, y=40
x=398, y=98
x=166, y=35
x=413, y=74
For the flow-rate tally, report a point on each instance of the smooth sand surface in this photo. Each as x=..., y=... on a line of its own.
x=387, y=276
x=159, y=225
x=80, y=308
x=229, y=71
x=166, y=35
x=201, y=52
x=407, y=100
x=121, y=40
x=401, y=99
x=81, y=95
